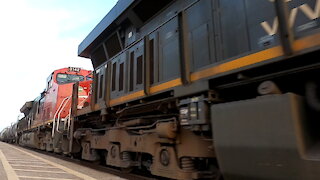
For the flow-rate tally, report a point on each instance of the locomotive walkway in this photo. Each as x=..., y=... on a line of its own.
x=18, y=163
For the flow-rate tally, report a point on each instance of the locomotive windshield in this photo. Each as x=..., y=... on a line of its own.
x=68, y=78
x=89, y=77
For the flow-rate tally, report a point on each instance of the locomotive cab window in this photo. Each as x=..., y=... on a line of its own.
x=89, y=78
x=68, y=78
x=49, y=82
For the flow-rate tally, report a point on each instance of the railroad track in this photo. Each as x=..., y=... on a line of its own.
x=99, y=167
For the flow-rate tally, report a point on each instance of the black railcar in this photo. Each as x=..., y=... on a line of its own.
x=193, y=89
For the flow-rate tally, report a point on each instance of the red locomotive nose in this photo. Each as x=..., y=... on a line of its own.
x=84, y=95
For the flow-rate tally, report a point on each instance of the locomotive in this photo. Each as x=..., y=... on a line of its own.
x=47, y=118
x=195, y=89
x=189, y=89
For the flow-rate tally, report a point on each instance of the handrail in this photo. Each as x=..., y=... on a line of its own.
x=69, y=123
x=58, y=123
x=56, y=120
x=67, y=119
x=54, y=117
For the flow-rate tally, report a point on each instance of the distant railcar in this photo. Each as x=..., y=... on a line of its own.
x=4, y=134
x=193, y=89
x=9, y=134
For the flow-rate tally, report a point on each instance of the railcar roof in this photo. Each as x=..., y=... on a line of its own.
x=93, y=37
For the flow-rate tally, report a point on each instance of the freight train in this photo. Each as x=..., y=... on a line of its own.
x=199, y=89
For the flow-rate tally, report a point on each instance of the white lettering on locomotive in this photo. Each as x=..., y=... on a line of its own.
x=304, y=8
x=74, y=69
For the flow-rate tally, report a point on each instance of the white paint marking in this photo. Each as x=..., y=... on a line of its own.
x=22, y=161
x=41, y=171
x=32, y=163
x=9, y=171
x=44, y=178
x=48, y=167
x=78, y=174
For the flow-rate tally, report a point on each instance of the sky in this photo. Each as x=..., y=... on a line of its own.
x=37, y=37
